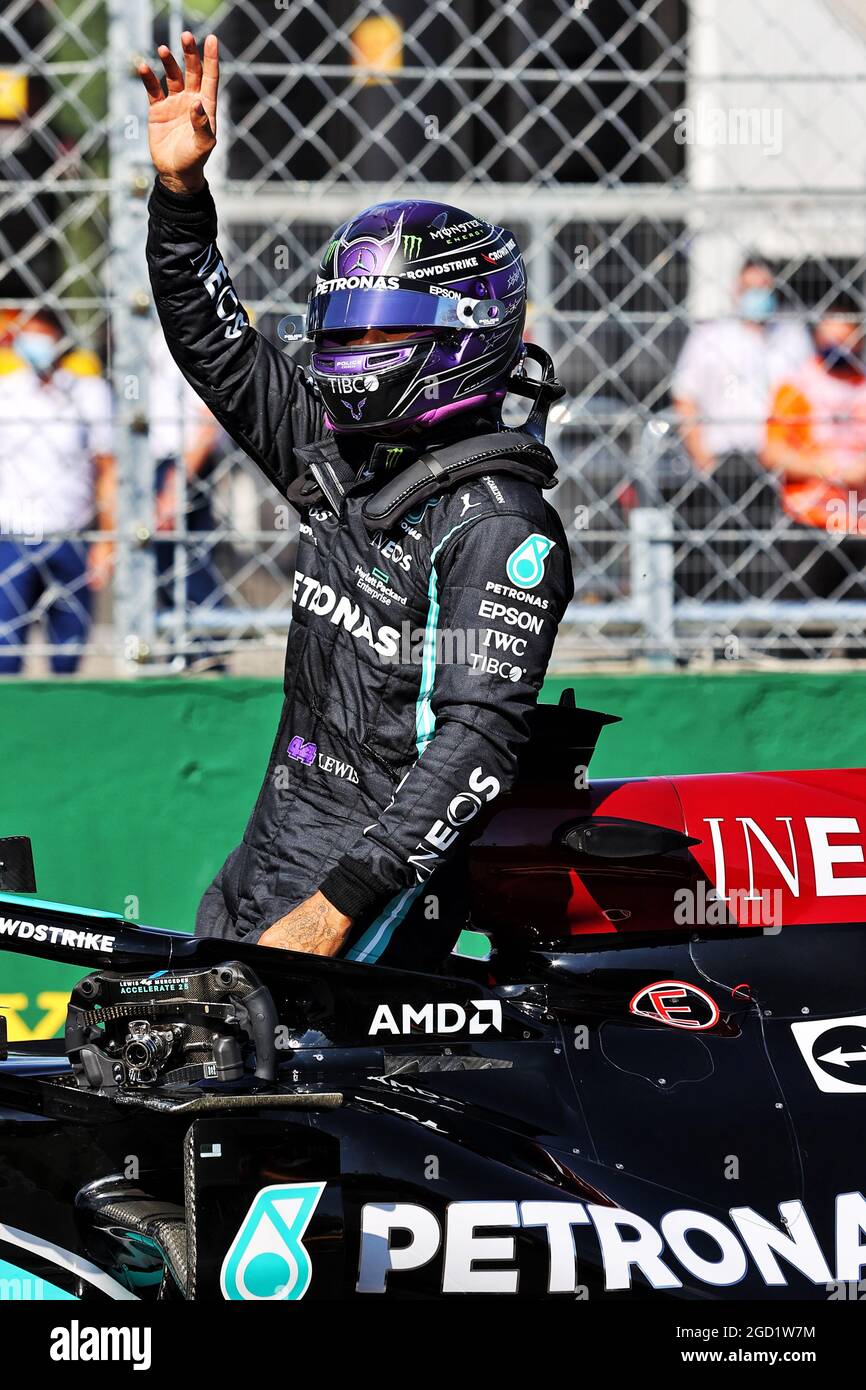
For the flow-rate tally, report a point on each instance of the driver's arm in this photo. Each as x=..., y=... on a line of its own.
x=257, y=394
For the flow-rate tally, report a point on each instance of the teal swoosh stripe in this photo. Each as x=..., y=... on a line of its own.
x=370, y=946
x=26, y=901
x=19, y=1285
x=377, y=936
x=424, y=720
x=65, y=1259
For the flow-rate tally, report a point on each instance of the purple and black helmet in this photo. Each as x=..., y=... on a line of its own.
x=452, y=285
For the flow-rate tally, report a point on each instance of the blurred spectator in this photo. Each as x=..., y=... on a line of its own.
x=728, y=368
x=56, y=478
x=816, y=442
x=722, y=386
x=183, y=431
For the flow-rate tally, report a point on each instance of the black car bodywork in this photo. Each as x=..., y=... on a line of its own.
x=617, y=1113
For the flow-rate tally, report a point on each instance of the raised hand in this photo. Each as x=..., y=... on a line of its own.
x=181, y=124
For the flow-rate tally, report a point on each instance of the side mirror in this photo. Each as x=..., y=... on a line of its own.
x=17, y=874
x=603, y=837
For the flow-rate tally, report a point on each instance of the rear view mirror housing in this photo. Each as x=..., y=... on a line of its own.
x=17, y=874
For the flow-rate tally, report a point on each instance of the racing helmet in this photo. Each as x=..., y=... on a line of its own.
x=451, y=285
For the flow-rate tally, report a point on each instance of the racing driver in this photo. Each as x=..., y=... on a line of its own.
x=422, y=518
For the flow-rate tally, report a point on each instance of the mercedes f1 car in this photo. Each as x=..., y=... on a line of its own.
x=654, y=1085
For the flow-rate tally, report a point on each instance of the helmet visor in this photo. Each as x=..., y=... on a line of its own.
x=339, y=310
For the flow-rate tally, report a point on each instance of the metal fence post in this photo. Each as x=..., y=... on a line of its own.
x=129, y=39
x=651, y=554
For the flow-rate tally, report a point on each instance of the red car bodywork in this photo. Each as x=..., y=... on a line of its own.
x=770, y=848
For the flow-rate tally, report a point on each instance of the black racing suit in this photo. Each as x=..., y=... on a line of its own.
x=413, y=659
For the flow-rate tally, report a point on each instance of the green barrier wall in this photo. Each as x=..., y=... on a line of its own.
x=133, y=793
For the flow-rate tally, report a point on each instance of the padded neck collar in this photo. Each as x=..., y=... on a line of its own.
x=412, y=477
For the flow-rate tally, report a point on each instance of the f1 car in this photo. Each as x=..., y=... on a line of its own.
x=654, y=1086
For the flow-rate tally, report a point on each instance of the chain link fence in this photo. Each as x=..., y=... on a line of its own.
x=713, y=468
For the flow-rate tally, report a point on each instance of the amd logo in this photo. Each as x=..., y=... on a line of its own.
x=478, y=1016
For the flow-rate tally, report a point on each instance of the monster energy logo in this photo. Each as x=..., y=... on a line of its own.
x=411, y=247
x=330, y=250
x=392, y=457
